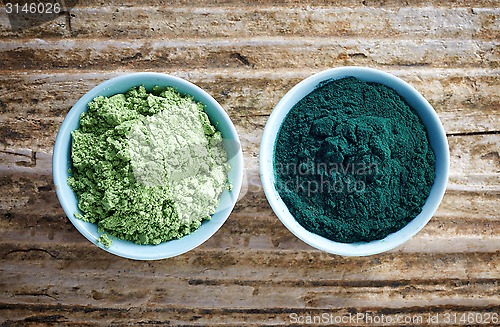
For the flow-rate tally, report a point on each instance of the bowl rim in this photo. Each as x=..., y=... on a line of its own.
x=129, y=249
x=439, y=144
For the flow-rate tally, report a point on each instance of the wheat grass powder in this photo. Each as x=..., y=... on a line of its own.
x=147, y=167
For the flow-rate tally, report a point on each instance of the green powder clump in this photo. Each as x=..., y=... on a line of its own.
x=147, y=167
x=105, y=240
x=353, y=161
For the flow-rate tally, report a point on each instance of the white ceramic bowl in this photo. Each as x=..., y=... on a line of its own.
x=61, y=162
x=437, y=139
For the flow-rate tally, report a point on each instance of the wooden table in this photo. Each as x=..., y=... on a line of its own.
x=253, y=271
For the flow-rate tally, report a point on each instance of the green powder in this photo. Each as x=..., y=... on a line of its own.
x=105, y=240
x=147, y=167
x=353, y=161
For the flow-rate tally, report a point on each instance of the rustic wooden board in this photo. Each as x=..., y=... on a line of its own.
x=253, y=271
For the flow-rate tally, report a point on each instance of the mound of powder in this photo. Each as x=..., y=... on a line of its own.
x=353, y=161
x=147, y=167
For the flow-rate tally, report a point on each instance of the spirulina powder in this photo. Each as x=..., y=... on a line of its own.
x=147, y=167
x=353, y=161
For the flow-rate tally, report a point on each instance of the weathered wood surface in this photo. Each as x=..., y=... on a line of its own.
x=253, y=271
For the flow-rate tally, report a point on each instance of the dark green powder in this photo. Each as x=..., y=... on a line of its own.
x=353, y=161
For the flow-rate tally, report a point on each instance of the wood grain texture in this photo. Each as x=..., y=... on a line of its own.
x=247, y=55
x=250, y=53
